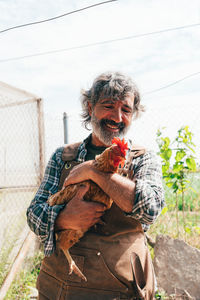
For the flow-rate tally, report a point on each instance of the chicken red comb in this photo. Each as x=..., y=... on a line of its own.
x=121, y=144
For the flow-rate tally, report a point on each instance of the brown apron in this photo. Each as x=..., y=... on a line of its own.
x=114, y=257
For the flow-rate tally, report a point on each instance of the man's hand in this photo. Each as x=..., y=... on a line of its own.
x=79, y=214
x=79, y=173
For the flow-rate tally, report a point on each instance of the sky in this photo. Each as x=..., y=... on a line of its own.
x=153, y=61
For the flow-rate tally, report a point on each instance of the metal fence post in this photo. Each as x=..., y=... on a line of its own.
x=65, y=125
x=41, y=139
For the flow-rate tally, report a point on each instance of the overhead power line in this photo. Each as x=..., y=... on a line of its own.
x=98, y=43
x=171, y=84
x=56, y=17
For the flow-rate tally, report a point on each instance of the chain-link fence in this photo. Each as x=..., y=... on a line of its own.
x=21, y=167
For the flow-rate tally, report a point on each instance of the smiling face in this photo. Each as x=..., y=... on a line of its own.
x=110, y=118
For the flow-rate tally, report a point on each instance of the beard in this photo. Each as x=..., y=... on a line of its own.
x=105, y=136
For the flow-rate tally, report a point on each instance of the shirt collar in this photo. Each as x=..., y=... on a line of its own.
x=82, y=151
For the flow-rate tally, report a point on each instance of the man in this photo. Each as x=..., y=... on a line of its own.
x=113, y=254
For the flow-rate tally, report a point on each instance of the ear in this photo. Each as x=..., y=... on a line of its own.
x=89, y=108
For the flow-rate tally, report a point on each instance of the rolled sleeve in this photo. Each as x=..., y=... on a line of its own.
x=40, y=216
x=149, y=194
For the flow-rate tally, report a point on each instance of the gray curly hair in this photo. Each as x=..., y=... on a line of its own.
x=113, y=85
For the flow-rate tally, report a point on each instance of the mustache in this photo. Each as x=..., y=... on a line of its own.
x=120, y=125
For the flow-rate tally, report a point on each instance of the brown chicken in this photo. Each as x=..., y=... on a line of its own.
x=108, y=161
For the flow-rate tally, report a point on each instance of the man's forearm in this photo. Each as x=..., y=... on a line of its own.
x=120, y=189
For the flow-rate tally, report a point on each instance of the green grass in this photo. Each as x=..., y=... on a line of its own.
x=4, y=263
x=176, y=223
x=20, y=288
x=12, y=223
x=5, y=255
x=166, y=224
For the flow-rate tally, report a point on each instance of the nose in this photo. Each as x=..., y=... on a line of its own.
x=117, y=115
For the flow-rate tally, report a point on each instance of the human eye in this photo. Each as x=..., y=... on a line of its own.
x=127, y=110
x=108, y=106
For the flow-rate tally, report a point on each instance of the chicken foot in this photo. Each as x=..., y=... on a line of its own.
x=72, y=266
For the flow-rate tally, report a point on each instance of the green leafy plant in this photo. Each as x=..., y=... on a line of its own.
x=177, y=161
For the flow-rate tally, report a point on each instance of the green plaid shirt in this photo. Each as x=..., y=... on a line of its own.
x=149, y=197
